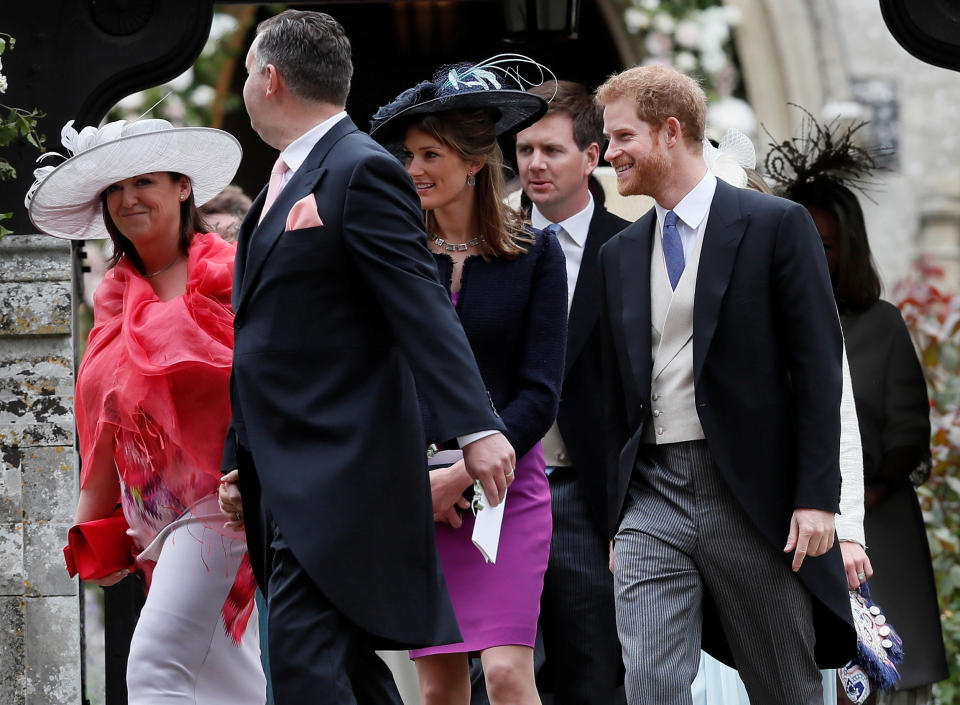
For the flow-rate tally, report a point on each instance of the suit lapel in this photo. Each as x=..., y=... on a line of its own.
x=263, y=237
x=635, y=288
x=243, y=243
x=725, y=228
x=585, y=309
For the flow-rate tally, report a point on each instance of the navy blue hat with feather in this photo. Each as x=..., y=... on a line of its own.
x=498, y=84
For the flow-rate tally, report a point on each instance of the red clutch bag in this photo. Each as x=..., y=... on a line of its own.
x=98, y=548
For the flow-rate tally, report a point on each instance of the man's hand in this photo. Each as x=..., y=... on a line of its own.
x=446, y=490
x=811, y=534
x=855, y=563
x=492, y=461
x=228, y=496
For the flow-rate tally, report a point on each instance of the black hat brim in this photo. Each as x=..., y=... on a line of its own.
x=517, y=110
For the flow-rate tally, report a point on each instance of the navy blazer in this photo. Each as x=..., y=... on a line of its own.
x=333, y=324
x=514, y=314
x=767, y=377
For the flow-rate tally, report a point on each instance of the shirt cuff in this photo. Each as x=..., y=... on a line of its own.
x=463, y=441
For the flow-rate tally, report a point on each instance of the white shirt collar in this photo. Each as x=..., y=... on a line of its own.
x=577, y=225
x=298, y=150
x=695, y=206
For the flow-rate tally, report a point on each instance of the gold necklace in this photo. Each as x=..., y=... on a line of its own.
x=164, y=268
x=456, y=246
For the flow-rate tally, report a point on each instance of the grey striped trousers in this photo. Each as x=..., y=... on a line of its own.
x=683, y=535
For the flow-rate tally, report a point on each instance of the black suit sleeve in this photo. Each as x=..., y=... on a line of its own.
x=229, y=460
x=539, y=369
x=383, y=235
x=615, y=424
x=812, y=344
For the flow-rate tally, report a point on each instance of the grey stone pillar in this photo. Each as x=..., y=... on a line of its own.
x=39, y=605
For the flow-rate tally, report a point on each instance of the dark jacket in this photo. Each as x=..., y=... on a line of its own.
x=767, y=377
x=894, y=417
x=513, y=312
x=333, y=323
x=580, y=418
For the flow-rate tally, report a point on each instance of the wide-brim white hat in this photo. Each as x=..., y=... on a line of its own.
x=64, y=201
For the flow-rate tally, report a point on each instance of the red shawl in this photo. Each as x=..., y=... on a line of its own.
x=157, y=375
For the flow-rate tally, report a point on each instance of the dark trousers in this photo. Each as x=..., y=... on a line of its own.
x=317, y=656
x=577, y=617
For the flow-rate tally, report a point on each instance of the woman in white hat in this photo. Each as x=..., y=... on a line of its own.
x=152, y=400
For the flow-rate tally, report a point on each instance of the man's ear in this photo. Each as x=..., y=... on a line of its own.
x=274, y=79
x=672, y=132
x=592, y=154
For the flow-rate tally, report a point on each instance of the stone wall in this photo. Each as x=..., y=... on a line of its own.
x=824, y=54
x=39, y=605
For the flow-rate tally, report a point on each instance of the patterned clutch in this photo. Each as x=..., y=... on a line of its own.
x=879, y=650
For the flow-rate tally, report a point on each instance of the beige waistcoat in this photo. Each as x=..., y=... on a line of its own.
x=672, y=402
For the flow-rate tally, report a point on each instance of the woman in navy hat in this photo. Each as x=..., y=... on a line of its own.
x=508, y=285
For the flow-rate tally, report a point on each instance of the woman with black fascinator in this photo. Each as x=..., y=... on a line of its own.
x=819, y=171
x=507, y=283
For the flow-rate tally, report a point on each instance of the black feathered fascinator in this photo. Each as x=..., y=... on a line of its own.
x=826, y=154
x=498, y=83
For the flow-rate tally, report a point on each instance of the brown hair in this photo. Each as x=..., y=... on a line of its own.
x=312, y=53
x=660, y=92
x=191, y=222
x=577, y=103
x=472, y=134
x=231, y=201
x=856, y=284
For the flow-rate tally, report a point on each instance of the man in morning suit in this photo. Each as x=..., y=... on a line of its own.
x=722, y=353
x=555, y=158
x=338, y=308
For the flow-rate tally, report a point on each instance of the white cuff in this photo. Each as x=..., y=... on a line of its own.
x=464, y=441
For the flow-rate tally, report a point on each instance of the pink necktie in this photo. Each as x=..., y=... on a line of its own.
x=275, y=186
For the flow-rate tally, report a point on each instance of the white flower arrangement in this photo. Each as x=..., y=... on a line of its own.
x=679, y=33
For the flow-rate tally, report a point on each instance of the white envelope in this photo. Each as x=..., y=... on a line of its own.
x=486, y=528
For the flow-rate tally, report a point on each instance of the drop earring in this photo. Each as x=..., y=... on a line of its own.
x=471, y=179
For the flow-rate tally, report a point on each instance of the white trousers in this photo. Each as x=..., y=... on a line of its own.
x=180, y=653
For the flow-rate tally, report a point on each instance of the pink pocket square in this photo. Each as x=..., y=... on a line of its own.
x=304, y=214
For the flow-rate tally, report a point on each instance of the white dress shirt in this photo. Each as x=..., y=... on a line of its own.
x=297, y=151
x=692, y=212
x=572, y=240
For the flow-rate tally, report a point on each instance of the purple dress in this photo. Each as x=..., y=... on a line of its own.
x=499, y=604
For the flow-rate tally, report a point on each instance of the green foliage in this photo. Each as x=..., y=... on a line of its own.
x=201, y=95
x=934, y=320
x=15, y=123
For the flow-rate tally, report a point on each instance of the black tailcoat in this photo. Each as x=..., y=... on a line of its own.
x=767, y=377
x=333, y=323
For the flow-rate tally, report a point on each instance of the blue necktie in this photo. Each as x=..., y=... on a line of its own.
x=553, y=229
x=672, y=248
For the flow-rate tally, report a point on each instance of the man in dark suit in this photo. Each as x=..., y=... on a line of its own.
x=723, y=348
x=555, y=158
x=338, y=308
